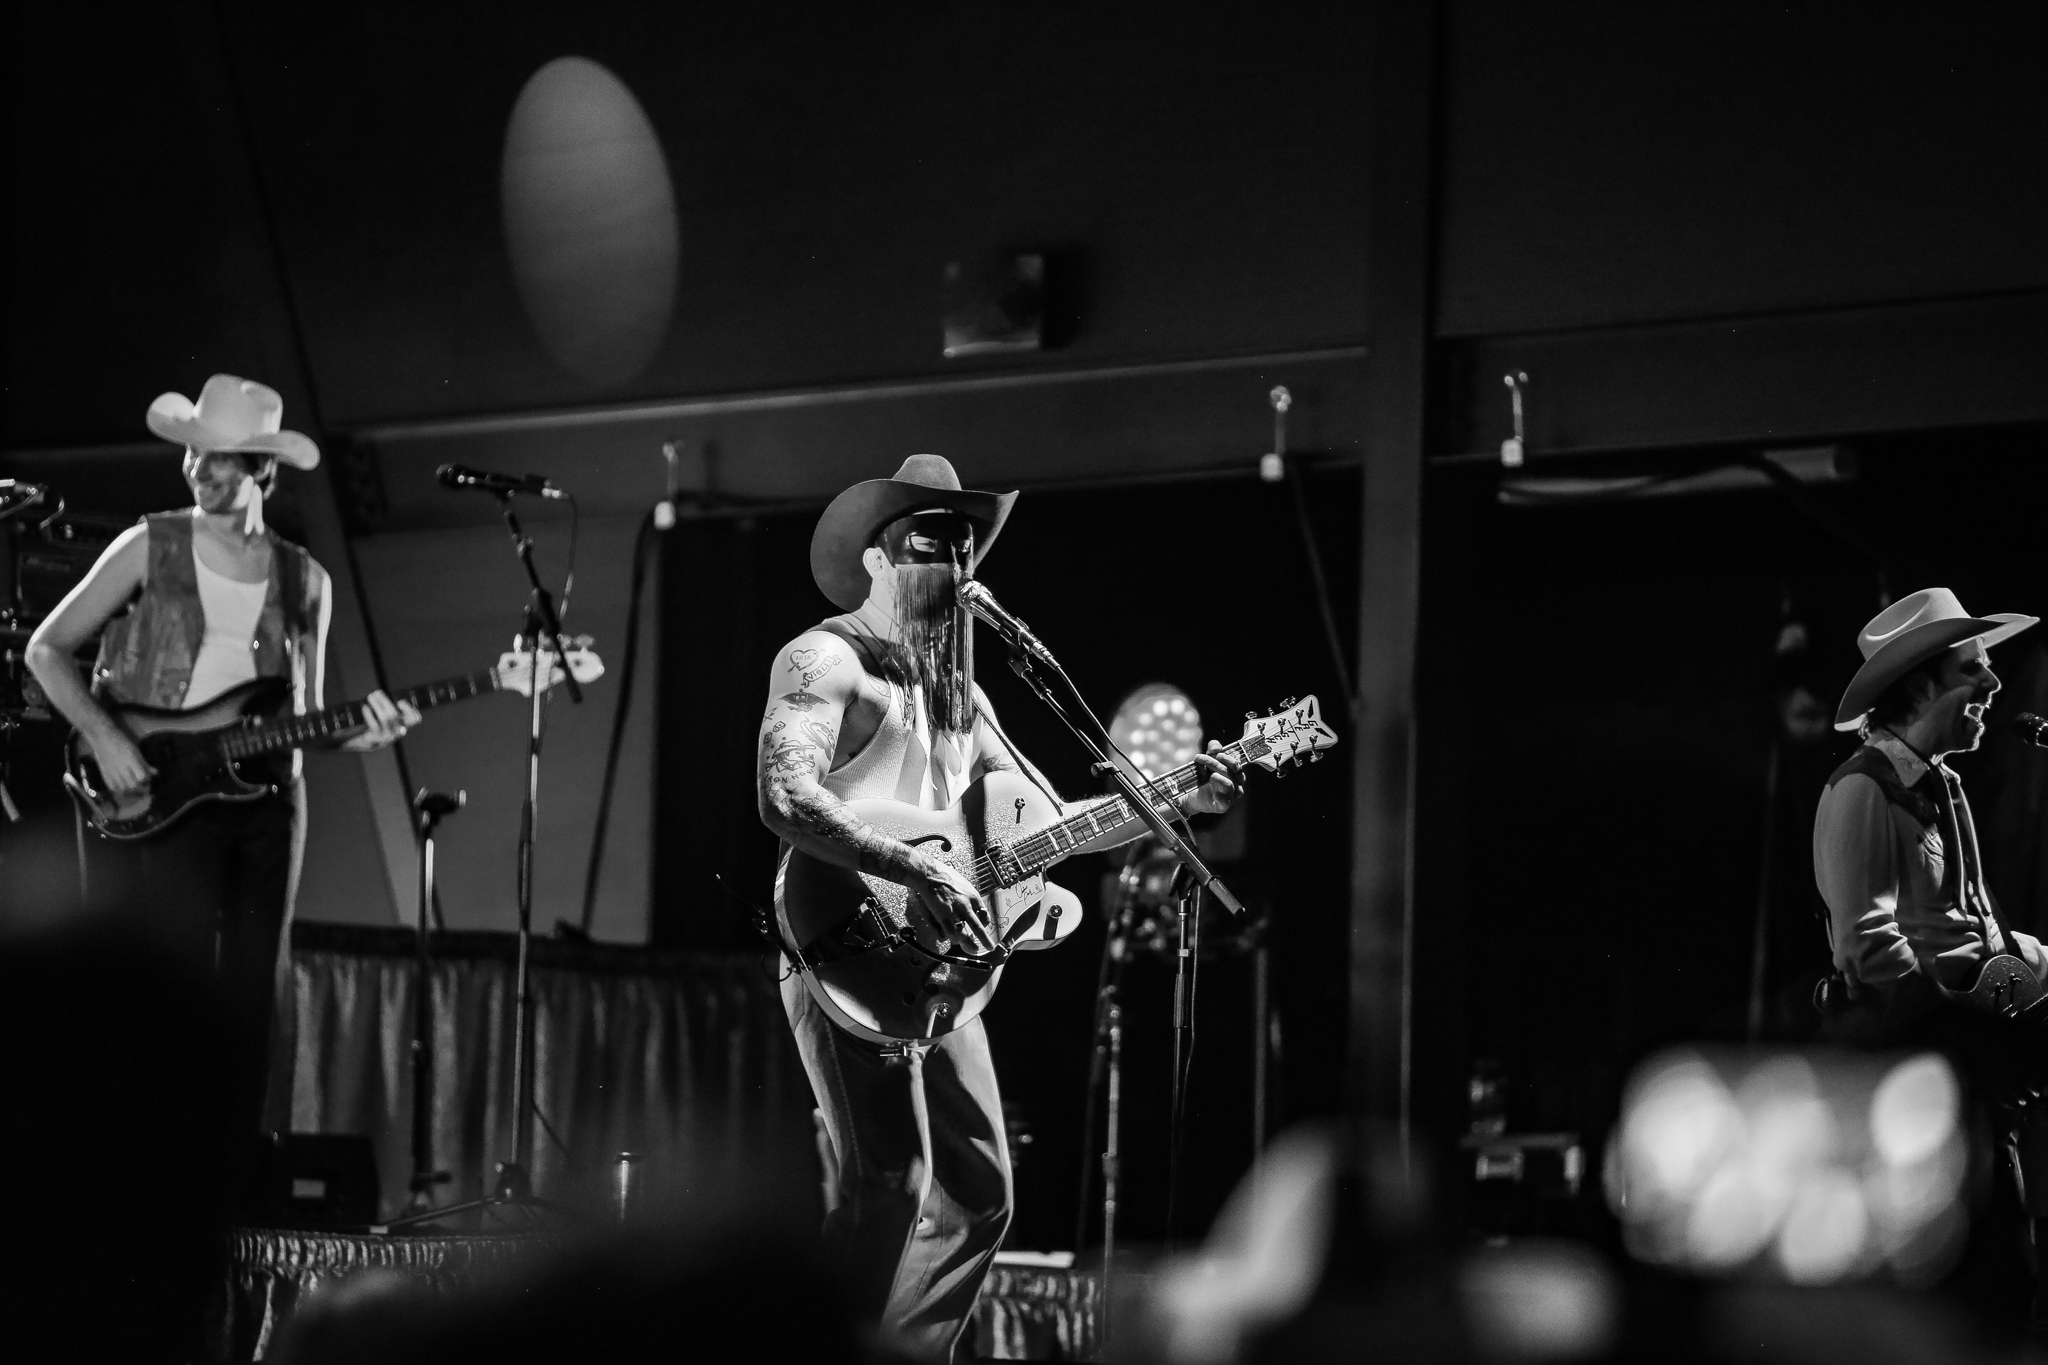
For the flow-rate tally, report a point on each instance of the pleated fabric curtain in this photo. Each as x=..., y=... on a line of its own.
x=634, y=1050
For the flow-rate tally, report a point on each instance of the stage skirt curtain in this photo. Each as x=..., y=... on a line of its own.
x=1024, y=1313
x=270, y=1271
x=634, y=1050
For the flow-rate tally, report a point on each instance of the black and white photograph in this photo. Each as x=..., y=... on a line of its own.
x=957, y=680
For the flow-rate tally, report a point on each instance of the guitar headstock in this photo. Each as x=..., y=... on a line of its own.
x=514, y=670
x=1293, y=734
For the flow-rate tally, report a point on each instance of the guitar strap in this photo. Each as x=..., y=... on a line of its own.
x=1972, y=890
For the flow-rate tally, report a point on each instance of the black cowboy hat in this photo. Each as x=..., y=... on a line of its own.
x=925, y=483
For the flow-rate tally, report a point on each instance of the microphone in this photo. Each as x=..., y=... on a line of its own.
x=456, y=476
x=976, y=598
x=22, y=491
x=2032, y=728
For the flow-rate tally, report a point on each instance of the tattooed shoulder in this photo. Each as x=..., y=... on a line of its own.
x=811, y=665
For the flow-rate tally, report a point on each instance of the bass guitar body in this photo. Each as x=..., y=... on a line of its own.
x=883, y=968
x=192, y=765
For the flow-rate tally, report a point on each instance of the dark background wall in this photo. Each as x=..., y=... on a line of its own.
x=1698, y=228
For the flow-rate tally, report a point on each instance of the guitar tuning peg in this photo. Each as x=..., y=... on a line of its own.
x=1251, y=715
x=1316, y=757
x=1286, y=702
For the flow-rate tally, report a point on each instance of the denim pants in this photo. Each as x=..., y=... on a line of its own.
x=916, y=1264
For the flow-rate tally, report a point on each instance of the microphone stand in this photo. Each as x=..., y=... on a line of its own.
x=1028, y=655
x=513, y=1185
x=514, y=1176
x=430, y=807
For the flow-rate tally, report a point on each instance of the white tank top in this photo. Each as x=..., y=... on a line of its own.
x=904, y=760
x=227, y=654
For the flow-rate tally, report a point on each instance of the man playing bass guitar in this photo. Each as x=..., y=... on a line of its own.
x=881, y=702
x=189, y=604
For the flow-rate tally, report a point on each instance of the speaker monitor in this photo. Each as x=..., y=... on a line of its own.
x=313, y=1180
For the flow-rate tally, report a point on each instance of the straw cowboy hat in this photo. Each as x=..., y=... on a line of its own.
x=232, y=414
x=925, y=483
x=1909, y=632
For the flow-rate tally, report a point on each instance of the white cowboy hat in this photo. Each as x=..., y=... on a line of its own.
x=1909, y=632
x=232, y=414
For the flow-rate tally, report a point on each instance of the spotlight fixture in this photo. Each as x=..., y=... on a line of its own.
x=1158, y=727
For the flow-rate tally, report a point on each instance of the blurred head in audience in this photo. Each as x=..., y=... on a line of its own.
x=115, y=1141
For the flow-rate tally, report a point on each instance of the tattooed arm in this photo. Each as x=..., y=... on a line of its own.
x=812, y=690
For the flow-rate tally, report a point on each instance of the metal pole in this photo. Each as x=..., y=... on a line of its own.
x=522, y=1004
x=1262, y=1006
x=1760, y=932
x=1187, y=911
x=1112, y=1164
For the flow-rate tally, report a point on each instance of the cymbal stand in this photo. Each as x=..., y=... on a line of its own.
x=428, y=809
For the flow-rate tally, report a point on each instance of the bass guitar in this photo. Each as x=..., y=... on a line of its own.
x=893, y=977
x=225, y=749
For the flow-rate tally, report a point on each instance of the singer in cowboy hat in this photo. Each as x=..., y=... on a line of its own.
x=1894, y=848
x=1911, y=918
x=186, y=605
x=881, y=702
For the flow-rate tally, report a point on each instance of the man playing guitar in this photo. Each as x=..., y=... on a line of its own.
x=1911, y=918
x=881, y=702
x=1894, y=848
x=189, y=604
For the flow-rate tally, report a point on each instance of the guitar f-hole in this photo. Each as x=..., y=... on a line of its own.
x=945, y=844
x=1019, y=804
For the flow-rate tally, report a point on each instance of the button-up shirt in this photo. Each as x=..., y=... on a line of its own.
x=1899, y=899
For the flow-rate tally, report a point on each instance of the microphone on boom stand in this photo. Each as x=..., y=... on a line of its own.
x=977, y=599
x=483, y=480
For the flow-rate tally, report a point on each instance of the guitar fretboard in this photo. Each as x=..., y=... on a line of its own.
x=1036, y=852
x=290, y=732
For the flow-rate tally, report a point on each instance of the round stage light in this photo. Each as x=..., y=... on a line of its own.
x=590, y=220
x=1158, y=727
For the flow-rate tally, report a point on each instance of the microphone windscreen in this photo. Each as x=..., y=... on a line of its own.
x=2032, y=728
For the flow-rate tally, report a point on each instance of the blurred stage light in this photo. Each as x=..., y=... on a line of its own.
x=1158, y=727
x=1811, y=1168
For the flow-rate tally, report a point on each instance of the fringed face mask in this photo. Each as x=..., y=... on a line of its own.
x=936, y=646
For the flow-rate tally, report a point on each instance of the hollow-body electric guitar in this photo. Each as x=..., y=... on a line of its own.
x=224, y=750
x=890, y=976
x=2006, y=986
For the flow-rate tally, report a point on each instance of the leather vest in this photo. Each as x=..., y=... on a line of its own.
x=147, y=652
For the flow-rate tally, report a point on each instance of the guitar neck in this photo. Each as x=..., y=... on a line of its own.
x=292, y=732
x=1039, y=851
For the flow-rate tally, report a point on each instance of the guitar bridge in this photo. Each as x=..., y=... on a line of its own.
x=1008, y=867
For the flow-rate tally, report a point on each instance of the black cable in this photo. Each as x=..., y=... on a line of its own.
x=1331, y=635
x=643, y=542
x=541, y=1114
